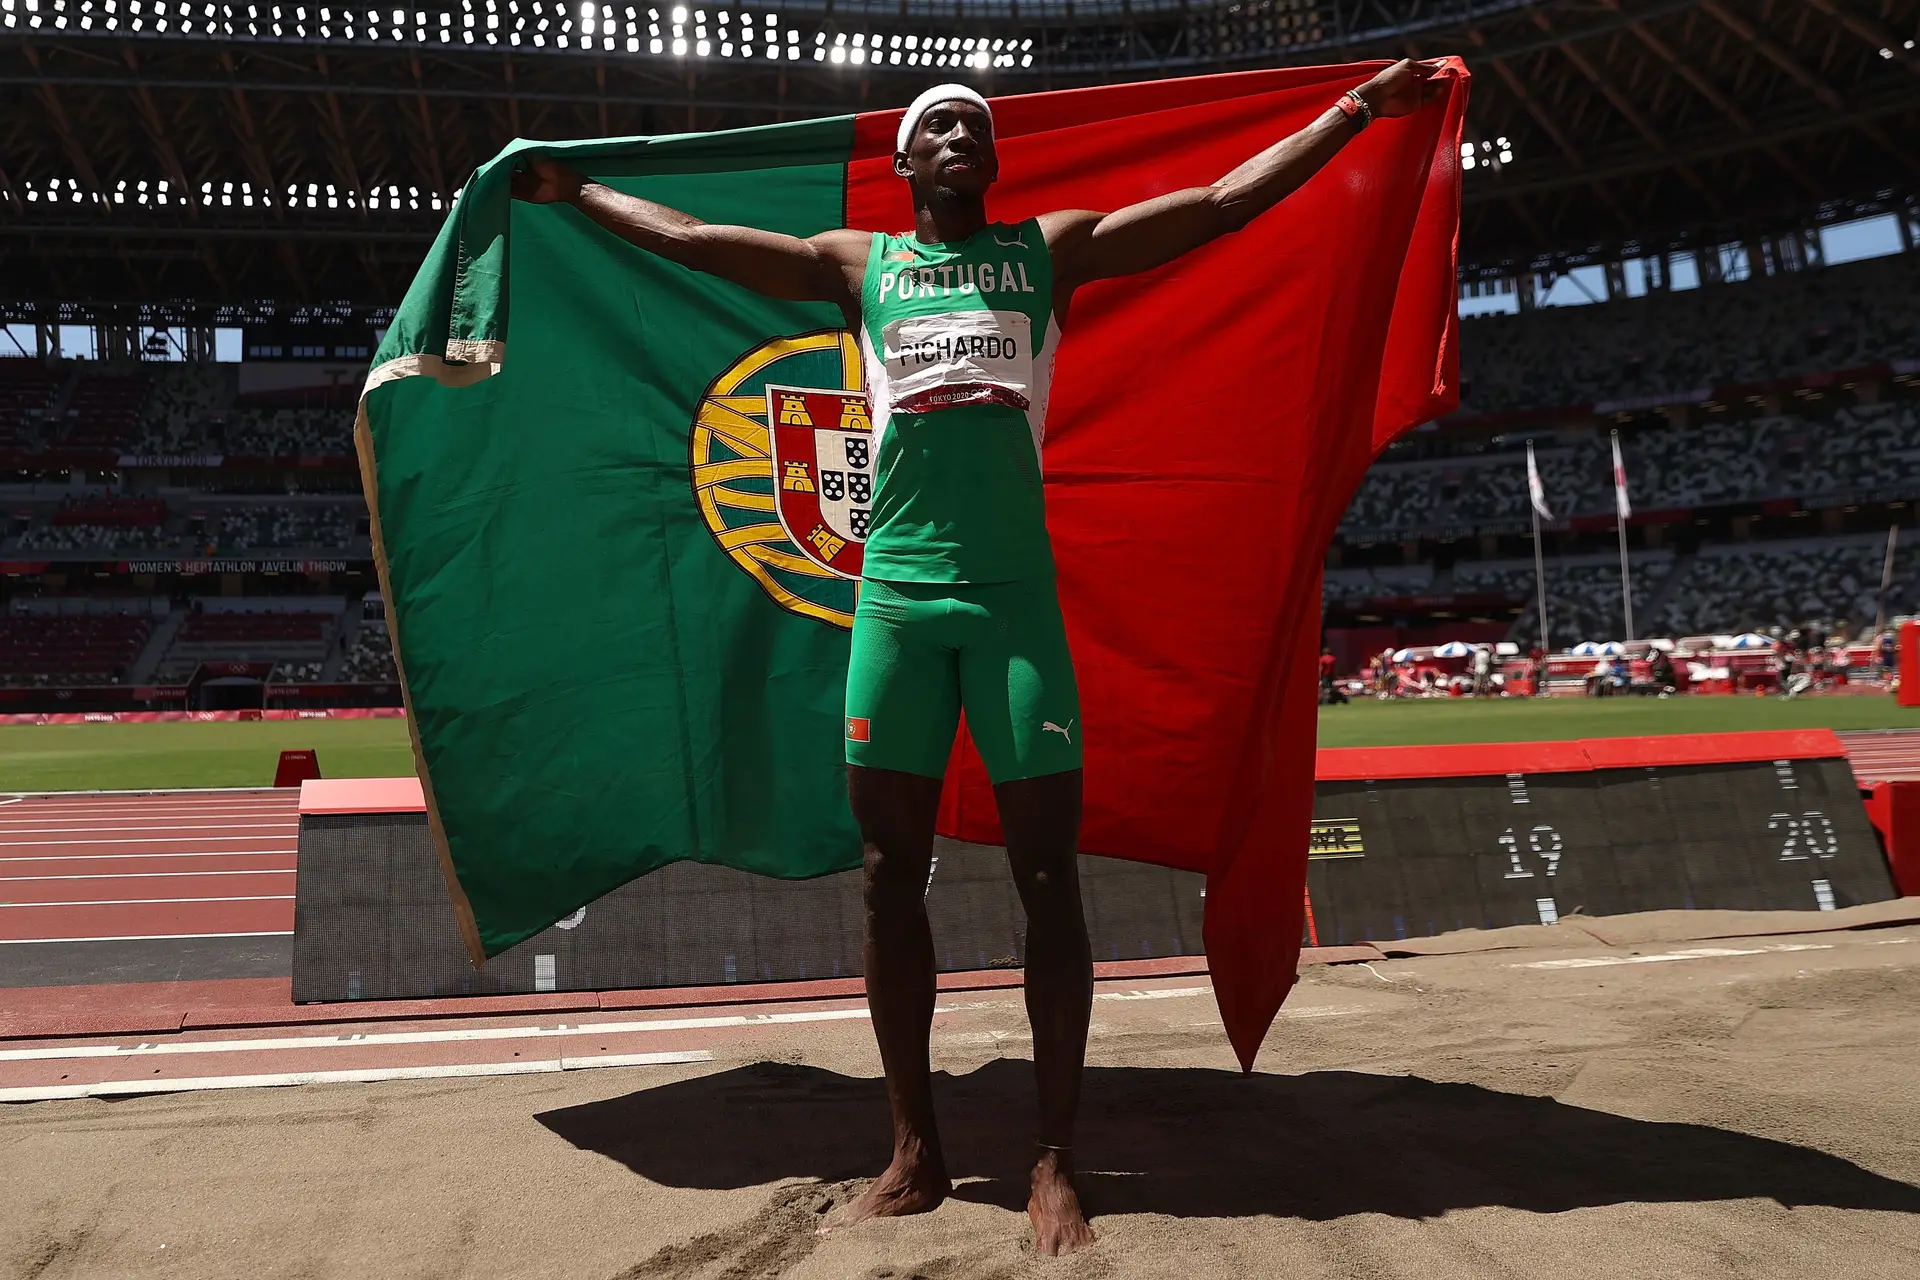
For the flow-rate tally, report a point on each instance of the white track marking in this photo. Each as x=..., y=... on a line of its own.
x=1697, y=953
x=135, y=824
x=169, y=793
x=370, y=1075
x=102, y=857
x=459, y=1035
x=39, y=844
x=149, y=937
x=148, y=902
x=148, y=875
x=1164, y=993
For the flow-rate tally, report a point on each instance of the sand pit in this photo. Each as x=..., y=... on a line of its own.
x=1733, y=1107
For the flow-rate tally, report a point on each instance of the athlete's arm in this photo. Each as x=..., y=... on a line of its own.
x=823, y=268
x=1096, y=246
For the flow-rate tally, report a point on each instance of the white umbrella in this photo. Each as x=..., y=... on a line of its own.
x=1751, y=640
x=1454, y=649
x=1403, y=656
x=1585, y=649
x=1611, y=649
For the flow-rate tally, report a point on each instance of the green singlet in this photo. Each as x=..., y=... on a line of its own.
x=958, y=608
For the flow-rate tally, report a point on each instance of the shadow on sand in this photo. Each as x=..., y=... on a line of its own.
x=1194, y=1142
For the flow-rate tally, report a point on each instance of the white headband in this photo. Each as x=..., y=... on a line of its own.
x=939, y=93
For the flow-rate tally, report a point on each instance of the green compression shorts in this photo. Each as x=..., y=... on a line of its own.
x=922, y=651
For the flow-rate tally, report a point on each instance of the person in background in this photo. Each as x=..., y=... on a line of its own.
x=1482, y=671
x=1660, y=674
x=1537, y=670
x=1889, y=656
x=1330, y=690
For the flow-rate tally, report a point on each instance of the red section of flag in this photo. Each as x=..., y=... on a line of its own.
x=296, y=767
x=859, y=729
x=1210, y=422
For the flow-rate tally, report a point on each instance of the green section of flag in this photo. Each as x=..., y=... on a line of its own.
x=599, y=688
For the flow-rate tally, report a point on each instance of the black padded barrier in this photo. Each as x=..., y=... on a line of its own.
x=1412, y=857
x=1388, y=859
x=372, y=920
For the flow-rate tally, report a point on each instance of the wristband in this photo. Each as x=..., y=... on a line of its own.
x=1355, y=108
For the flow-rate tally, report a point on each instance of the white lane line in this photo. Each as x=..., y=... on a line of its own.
x=1696, y=953
x=149, y=902
x=1163, y=993
x=148, y=875
x=369, y=1075
x=461, y=1035
x=149, y=937
x=38, y=844
x=115, y=857
x=168, y=793
x=134, y=824
x=128, y=812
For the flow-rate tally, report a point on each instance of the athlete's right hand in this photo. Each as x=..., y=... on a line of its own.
x=546, y=181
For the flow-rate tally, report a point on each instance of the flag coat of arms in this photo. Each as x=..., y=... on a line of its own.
x=619, y=505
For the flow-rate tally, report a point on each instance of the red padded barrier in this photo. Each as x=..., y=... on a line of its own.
x=1453, y=760
x=1894, y=809
x=1713, y=748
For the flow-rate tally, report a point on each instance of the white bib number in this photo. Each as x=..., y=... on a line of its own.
x=960, y=357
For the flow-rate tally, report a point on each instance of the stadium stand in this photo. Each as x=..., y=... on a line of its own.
x=104, y=410
x=46, y=649
x=28, y=391
x=295, y=634
x=370, y=659
x=1754, y=331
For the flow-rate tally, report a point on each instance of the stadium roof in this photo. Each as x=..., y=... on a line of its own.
x=156, y=149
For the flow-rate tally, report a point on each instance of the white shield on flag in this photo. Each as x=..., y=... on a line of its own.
x=823, y=459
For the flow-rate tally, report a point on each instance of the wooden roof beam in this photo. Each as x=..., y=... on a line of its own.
x=1829, y=96
x=1516, y=86
x=1870, y=31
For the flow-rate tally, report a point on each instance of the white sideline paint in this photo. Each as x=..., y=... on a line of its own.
x=135, y=824
x=458, y=1035
x=148, y=902
x=98, y=857
x=148, y=875
x=30, y=844
x=369, y=1075
x=1697, y=953
x=264, y=792
x=149, y=937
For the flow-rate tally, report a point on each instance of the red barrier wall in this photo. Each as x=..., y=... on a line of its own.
x=1473, y=760
x=1894, y=810
x=1909, y=695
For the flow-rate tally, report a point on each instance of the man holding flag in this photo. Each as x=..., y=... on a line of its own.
x=958, y=323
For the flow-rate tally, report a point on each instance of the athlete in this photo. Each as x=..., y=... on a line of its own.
x=959, y=320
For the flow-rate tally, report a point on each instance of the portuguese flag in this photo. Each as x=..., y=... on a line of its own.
x=623, y=636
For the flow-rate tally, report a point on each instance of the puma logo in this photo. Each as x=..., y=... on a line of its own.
x=1019, y=241
x=1048, y=726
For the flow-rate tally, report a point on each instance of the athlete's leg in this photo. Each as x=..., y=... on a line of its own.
x=896, y=815
x=1017, y=683
x=1041, y=818
x=903, y=704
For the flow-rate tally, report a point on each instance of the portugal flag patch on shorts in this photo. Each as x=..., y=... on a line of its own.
x=858, y=729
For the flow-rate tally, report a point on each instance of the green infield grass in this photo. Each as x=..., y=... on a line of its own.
x=1427, y=721
x=127, y=757
x=116, y=757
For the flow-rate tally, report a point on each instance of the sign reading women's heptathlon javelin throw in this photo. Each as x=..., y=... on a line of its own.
x=620, y=581
x=823, y=473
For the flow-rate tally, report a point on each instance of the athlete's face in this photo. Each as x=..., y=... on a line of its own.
x=951, y=152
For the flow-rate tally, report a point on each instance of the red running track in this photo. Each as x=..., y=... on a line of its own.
x=169, y=864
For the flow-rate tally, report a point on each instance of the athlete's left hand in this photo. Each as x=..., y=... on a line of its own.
x=1404, y=88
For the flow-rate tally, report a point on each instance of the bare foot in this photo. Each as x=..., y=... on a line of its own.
x=1059, y=1227
x=915, y=1182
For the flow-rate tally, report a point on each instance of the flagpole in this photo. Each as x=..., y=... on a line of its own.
x=1886, y=581
x=1620, y=523
x=1539, y=564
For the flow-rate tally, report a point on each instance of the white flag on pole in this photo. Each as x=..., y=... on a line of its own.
x=1535, y=490
x=1620, y=481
